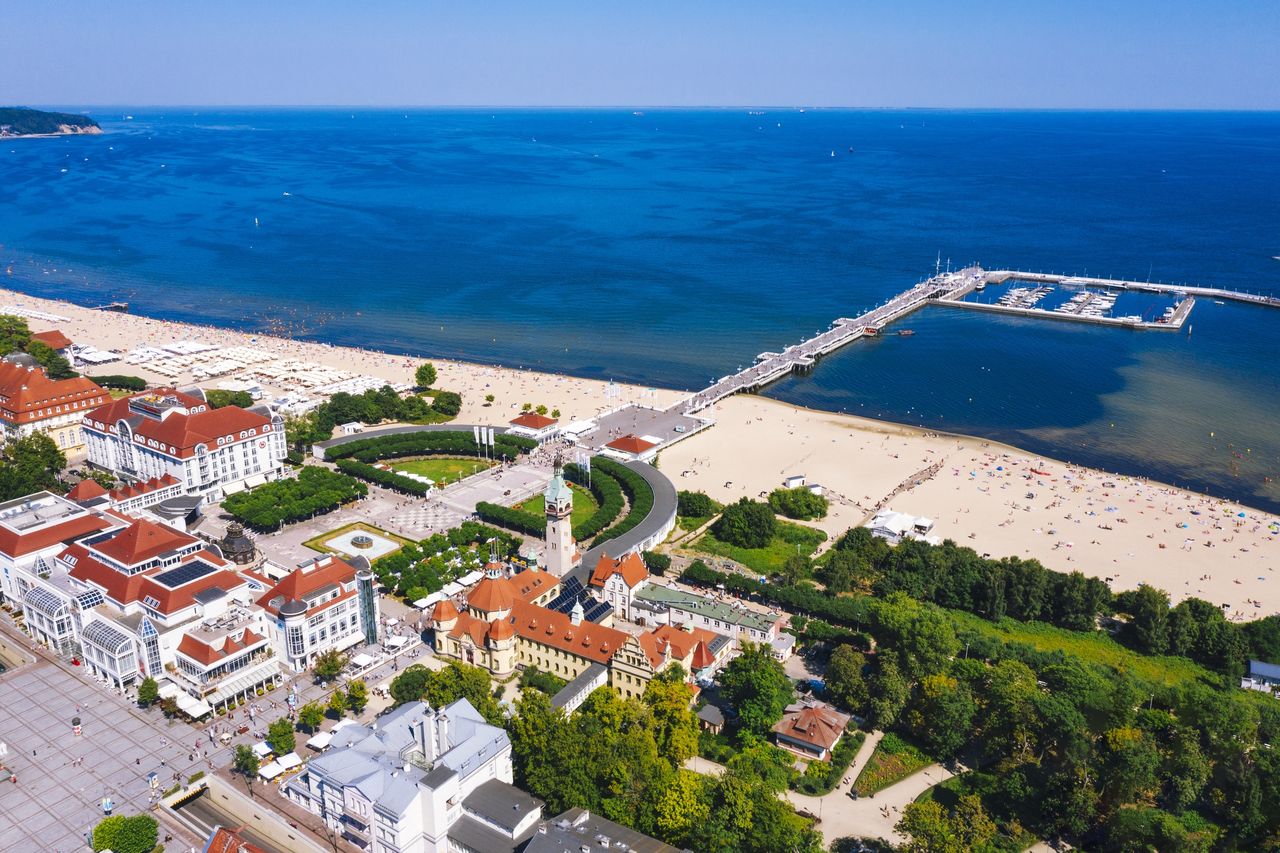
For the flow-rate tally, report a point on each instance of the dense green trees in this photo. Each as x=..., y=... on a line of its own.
x=620, y=758
x=120, y=834
x=416, y=571
x=122, y=382
x=311, y=716
x=30, y=464
x=656, y=563
x=315, y=491
x=245, y=762
x=328, y=665
x=218, y=398
x=280, y=736
x=608, y=494
x=639, y=494
x=747, y=524
x=695, y=505
x=15, y=336
x=511, y=518
x=425, y=375
x=756, y=687
x=447, y=403
x=148, y=692
x=436, y=442
x=54, y=364
x=799, y=503
x=26, y=121
x=439, y=688
x=1101, y=755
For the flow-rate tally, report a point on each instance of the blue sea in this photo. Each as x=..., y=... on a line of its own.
x=669, y=247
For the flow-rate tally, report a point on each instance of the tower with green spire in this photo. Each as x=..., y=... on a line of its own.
x=560, y=551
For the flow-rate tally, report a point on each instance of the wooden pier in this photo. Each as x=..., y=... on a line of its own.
x=950, y=289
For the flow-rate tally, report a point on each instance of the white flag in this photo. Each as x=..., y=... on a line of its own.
x=475, y=432
x=491, y=436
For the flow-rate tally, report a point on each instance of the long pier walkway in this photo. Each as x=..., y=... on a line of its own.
x=948, y=288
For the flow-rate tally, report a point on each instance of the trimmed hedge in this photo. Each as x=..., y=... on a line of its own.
x=121, y=382
x=387, y=479
x=280, y=502
x=512, y=519
x=608, y=494
x=638, y=490
x=445, y=442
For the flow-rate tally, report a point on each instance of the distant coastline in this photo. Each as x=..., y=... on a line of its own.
x=26, y=123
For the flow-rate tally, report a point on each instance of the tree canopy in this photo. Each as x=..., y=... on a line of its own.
x=747, y=524
x=120, y=834
x=30, y=464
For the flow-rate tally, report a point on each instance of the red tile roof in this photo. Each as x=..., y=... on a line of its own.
x=210, y=652
x=631, y=444
x=492, y=595
x=28, y=395
x=631, y=567
x=532, y=583
x=52, y=338
x=179, y=433
x=819, y=725
x=142, y=541
x=178, y=598
x=551, y=628
x=532, y=420
x=678, y=643
x=14, y=543
x=306, y=579
x=133, y=490
x=444, y=611
x=86, y=490
x=227, y=841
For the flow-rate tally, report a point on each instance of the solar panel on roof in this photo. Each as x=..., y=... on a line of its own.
x=184, y=574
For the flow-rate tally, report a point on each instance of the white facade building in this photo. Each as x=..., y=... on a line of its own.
x=417, y=779
x=323, y=604
x=212, y=452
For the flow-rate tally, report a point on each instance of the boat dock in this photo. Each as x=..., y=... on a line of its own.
x=950, y=289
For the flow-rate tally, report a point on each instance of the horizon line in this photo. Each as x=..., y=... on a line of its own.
x=667, y=107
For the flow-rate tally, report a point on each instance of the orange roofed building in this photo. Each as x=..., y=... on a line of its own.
x=504, y=627
x=323, y=604
x=134, y=598
x=617, y=581
x=212, y=452
x=31, y=402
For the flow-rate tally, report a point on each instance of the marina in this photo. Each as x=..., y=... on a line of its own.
x=1093, y=301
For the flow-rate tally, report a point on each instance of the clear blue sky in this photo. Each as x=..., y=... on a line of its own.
x=1214, y=54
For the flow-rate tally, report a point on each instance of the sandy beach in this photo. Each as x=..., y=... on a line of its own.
x=996, y=499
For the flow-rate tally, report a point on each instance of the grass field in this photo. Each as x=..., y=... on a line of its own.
x=1096, y=648
x=893, y=761
x=442, y=469
x=790, y=539
x=584, y=505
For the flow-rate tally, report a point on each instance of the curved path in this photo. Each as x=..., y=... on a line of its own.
x=653, y=529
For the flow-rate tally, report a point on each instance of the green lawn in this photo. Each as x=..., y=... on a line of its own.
x=790, y=539
x=692, y=523
x=893, y=761
x=584, y=505
x=1094, y=647
x=442, y=469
